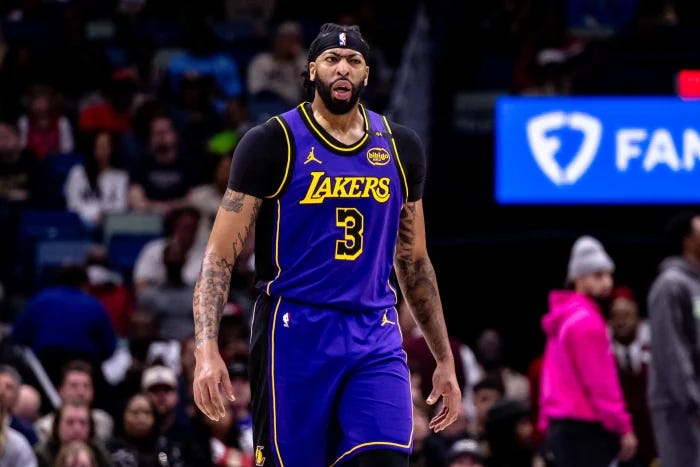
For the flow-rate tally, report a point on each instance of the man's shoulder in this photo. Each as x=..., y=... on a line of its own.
x=43, y=425
x=99, y=414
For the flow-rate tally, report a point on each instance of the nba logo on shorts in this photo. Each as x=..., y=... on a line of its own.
x=285, y=320
x=342, y=39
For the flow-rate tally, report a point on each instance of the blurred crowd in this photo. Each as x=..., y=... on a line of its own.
x=117, y=123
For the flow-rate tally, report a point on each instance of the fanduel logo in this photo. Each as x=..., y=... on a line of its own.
x=545, y=146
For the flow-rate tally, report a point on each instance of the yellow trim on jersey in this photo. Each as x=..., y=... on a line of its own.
x=320, y=134
x=274, y=395
x=398, y=159
x=289, y=158
x=277, y=247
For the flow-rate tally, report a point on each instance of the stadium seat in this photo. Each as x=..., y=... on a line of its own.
x=52, y=254
x=36, y=225
x=123, y=250
x=131, y=223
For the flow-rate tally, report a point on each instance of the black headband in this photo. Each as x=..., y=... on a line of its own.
x=333, y=36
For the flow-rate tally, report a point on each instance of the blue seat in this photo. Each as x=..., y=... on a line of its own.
x=123, y=250
x=56, y=168
x=58, y=165
x=36, y=225
x=51, y=224
x=50, y=255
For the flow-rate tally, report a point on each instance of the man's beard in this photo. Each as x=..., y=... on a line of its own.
x=334, y=106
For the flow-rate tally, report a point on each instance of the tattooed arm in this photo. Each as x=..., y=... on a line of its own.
x=234, y=221
x=418, y=283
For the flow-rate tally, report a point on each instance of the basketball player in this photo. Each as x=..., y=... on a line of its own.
x=334, y=192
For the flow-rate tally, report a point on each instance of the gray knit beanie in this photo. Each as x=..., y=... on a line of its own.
x=588, y=256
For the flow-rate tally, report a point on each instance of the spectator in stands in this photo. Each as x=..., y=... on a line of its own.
x=276, y=71
x=241, y=407
x=487, y=392
x=180, y=226
x=593, y=19
x=195, y=118
x=466, y=452
x=28, y=404
x=201, y=57
x=98, y=187
x=185, y=378
x=549, y=58
x=136, y=440
x=109, y=288
x=164, y=177
x=236, y=122
x=124, y=371
x=72, y=423
x=43, y=129
x=77, y=385
x=18, y=167
x=674, y=375
x=113, y=112
x=169, y=302
x=15, y=450
x=509, y=435
x=64, y=322
x=490, y=357
x=224, y=441
x=10, y=382
x=631, y=339
x=581, y=403
x=75, y=454
x=207, y=198
x=160, y=385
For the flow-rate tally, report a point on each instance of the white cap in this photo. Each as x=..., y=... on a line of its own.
x=587, y=257
x=158, y=375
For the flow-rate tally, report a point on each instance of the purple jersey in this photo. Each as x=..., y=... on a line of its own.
x=336, y=220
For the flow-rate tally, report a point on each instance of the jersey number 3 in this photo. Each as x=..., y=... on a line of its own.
x=353, y=224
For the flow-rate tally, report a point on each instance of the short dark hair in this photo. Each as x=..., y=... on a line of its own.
x=71, y=275
x=10, y=370
x=678, y=227
x=493, y=382
x=79, y=366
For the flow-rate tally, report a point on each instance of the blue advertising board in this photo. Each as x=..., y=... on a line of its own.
x=597, y=150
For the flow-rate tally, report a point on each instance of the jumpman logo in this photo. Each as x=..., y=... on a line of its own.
x=385, y=320
x=311, y=157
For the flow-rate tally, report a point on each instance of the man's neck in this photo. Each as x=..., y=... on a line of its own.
x=345, y=128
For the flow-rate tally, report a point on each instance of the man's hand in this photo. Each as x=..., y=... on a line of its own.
x=210, y=372
x=628, y=447
x=445, y=385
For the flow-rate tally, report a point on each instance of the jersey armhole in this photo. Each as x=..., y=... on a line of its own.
x=399, y=165
x=288, y=140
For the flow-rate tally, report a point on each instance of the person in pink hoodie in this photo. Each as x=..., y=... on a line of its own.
x=582, y=409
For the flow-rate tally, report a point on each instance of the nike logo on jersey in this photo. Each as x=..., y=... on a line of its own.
x=386, y=320
x=311, y=157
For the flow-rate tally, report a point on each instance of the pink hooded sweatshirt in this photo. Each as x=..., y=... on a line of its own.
x=579, y=377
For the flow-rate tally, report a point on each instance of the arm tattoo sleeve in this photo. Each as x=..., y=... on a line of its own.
x=232, y=201
x=212, y=287
x=418, y=275
x=419, y=284
x=210, y=296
